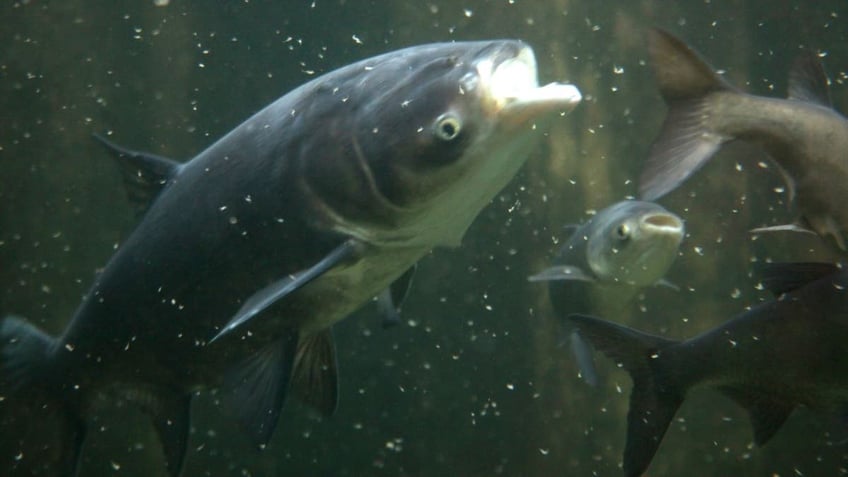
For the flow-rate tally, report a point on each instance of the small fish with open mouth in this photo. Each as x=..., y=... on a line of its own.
x=624, y=248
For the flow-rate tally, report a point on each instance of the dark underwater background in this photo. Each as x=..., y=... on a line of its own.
x=475, y=382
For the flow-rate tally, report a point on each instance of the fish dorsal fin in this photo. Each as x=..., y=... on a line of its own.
x=681, y=73
x=808, y=81
x=767, y=415
x=145, y=174
x=315, y=378
x=258, y=387
x=171, y=418
x=780, y=278
x=391, y=299
x=277, y=290
x=561, y=272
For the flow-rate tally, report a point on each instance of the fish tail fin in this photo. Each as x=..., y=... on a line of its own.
x=686, y=141
x=33, y=400
x=655, y=397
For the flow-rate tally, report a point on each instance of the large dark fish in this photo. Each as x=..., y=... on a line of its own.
x=779, y=355
x=250, y=251
x=804, y=135
x=609, y=259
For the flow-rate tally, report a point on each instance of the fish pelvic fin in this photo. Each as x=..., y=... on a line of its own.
x=685, y=142
x=171, y=417
x=808, y=81
x=259, y=385
x=315, y=378
x=29, y=384
x=654, y=399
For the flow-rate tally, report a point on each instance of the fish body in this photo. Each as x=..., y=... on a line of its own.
x=607, y=261
x=803, y=134
x=779, y=355
x=248, y=253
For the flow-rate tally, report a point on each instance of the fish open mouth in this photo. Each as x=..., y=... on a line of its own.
x=663, y=222
x=514, y=87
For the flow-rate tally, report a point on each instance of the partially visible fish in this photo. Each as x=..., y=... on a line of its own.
x=779, y=355
x=611, y=258
x=248, y=253
x=804, y=135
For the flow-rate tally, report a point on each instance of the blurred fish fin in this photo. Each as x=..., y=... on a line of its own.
x=683, y=146
x=570, y=228
x=391, y=299
x=26, y=374
x=561, y=272
x=170, y=415
x=779, y=278
x=808, y=81
x=662, y=282
x=825, y=225
x=767, y=415
x=145, y=174
x=258, y=387
x=267, y=296
x=315, y=378
x=685, y=142
x=584, y=357
x=654, y=399
x=794, y=227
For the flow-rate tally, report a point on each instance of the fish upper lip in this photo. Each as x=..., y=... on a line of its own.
x=665, y=222
x=513, y=85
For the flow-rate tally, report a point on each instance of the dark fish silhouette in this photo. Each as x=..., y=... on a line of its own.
x=622, y=249
x=248, y=253
x=804, y=135
x=779, y=355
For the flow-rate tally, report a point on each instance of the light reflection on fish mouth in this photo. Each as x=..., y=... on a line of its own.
x=663, y=223
x=514, y=88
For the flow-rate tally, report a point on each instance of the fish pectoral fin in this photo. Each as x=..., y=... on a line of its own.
x=277, y=290
x=391, y=299
x=662, y=282
x=782, y=228
x=561, y=272
x=767, y=415
x=779, y=278
x=144, y=174
x=315, y=379
x=258, y=386
x=808, y=81
x=171, y=418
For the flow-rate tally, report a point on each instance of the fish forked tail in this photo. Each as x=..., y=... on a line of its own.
x=31, y=400
x=686, y=141
x=654, y=399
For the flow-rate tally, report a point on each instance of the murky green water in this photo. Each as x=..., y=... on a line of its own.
x=473, y=383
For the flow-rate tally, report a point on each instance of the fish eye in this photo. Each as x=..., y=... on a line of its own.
x=447, y=127
x=622, y=232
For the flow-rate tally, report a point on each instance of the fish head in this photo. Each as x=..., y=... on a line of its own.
x=633, y=242
x=429, y=135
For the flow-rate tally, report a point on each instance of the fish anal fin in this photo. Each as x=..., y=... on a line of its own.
x=258, y=387
x=779, y=278
x=767, y=415
x=561, y=272
x=390, y=300
x=171, y=418
x=145, y=174
x=315, y=374
x=808, y=80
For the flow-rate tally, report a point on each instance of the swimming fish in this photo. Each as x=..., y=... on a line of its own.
x=612, y=257
x=247, y=254
x=803, y=134
x=779, y=355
